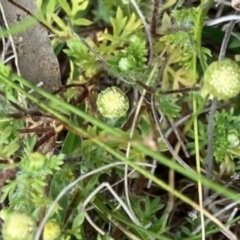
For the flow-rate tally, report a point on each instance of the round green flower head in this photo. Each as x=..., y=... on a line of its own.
x=112, y=103
x=34, y=162
x=18, y=226
x=126, y=63
x=222, y=79
x=233, y=138
x=51, y=231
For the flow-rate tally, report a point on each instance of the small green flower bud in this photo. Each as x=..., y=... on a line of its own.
x=18, y=226
x=4, y=213
x=233, y=139
x=222, y=79
x=51, y=231
x=135, y=39
x=112, y=103
x=126, y=63
x=34, y=162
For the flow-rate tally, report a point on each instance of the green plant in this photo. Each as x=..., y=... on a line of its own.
x=64, y=165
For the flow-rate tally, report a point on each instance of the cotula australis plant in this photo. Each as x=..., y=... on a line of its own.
x=121, y=52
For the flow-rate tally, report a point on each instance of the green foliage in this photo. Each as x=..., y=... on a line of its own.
x=185, y=17
x=179, y=38
x=168, y=105
x=130, y=61
x=146, y=214
x=82, y=60
x=226, y=139
x=202, y=134
x=105, y=45
x=182, y=36
x=71, y=9
x=125, y=48
x=187, y=57
x=104, y=11
x=226, y=145
x=123, y=28
x=26, y=192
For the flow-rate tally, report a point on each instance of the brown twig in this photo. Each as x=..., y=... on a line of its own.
x=155, y=16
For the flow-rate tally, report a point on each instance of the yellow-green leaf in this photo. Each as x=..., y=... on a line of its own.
x=65, y=6
x=50, y=8
x=59, y=21
x=109, y=37
x=132, y=25
x=82, y=22
x=79, y=5
x=119, y=14
x=166, y=20
x=119, y=22
x=118, y=25
x=168, y=4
